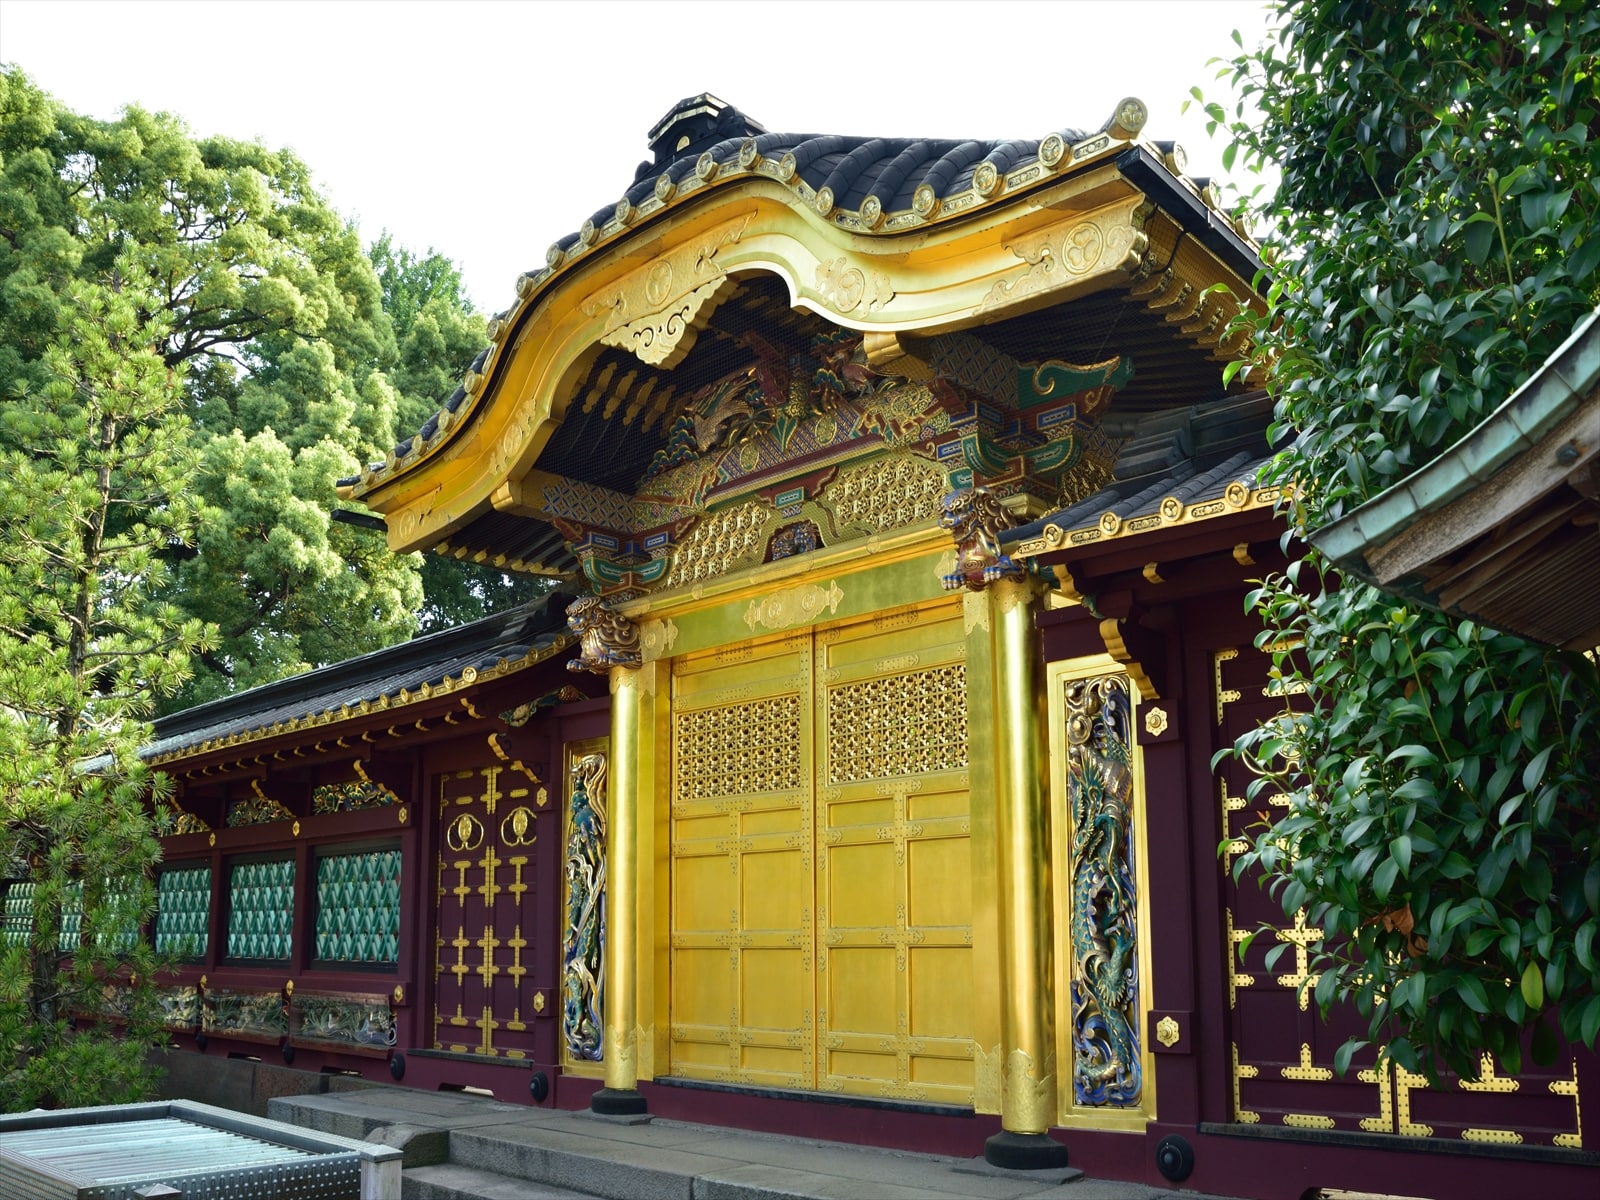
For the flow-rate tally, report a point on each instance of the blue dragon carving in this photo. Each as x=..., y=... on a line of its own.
x=1106, y=1067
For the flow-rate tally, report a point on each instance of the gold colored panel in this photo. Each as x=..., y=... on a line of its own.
x=775, y=985
x=696, y=829
x=937, y=1010
x=872, y=810
x=702, y=985
x=932, y=806
x=781, y=820
x=942, y=1072
x=770, y=884
x=704, y=894
x=862, y=887
x=941, y=882
x=859, y=981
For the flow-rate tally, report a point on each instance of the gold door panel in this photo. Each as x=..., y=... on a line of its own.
x=825, y=945
x=741, y=854
x=893, y=862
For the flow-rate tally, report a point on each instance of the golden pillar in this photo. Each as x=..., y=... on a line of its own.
x=1027, y=1082
x=608, y=644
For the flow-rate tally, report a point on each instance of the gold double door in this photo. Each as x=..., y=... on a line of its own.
x=821, y=873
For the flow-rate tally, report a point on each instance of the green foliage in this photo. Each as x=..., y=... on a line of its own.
x=302, y=356
x=94, y=472
x=1435, y=237
x=437, y=336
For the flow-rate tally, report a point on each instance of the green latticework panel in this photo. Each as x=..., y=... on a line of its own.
x=358, y=907
x=16, y=919
x=16, y=915
x=261, y=909
x=183, y=911
x=71, y=918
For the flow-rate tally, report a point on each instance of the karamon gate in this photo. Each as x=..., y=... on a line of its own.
x=861, y=760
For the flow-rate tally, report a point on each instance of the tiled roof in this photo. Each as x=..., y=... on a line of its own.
x=385, y=679
x=869, y=185
x=1173, y=467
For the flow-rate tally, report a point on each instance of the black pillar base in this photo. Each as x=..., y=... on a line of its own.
x=1024, y=1152
x=617, y=1102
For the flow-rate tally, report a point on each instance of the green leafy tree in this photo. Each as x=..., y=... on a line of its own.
x=437, y=335
x=1433, y=240
x=93, y=496
x=267, y=300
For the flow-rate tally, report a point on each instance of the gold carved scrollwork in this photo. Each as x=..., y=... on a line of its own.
x=1068, y=251
x=843, y=287
x=653, y=311
x=793, y=606
x=662, y=339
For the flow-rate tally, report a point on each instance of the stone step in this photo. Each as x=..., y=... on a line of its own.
x=453, y=1181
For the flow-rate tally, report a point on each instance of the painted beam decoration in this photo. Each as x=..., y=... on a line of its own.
x=1106, y=1053
x=583, y=942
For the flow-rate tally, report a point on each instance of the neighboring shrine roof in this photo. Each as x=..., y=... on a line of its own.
x=866, y=185
x=383, y=680
x=1501, y=526
x=1174, y=467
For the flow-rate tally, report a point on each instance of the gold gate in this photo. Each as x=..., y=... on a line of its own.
x=821, y=890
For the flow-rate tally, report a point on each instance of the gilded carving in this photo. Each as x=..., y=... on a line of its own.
x=260, y=1015
x=605, y=639
x=740, y=749
x=256, y=809
x=867, y=723
x=1107, y=1061
x=664, y=338
x=976, y=518
x=843, y=287
x=464, y=834
x=1028, y=1088
x=1065, y=253
x=891, y=493
x=793, y=606
x=655, y=640
x=343, y=1020
x=583, y=940
x=652, y=311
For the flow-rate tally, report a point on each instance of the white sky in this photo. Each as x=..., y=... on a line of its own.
x=487, y=130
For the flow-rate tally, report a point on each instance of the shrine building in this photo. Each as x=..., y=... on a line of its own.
x=856, y=779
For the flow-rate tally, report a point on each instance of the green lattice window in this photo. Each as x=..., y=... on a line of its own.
x=16, y=921
x=16, y=914
x=261, y=909
x=183, y=911
x=358, y=907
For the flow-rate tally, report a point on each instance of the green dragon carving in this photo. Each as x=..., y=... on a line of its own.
x=1106, y=1068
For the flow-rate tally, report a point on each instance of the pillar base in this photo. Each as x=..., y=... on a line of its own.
x=617, y=1102
x=1024, y=1152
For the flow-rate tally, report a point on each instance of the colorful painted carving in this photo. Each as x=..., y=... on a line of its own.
x=583, y=942
x=976, y=518
x=343, y=1020
x=1106, y=1057
x=353, y=796
x=605, y=640
x=258, y=1015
